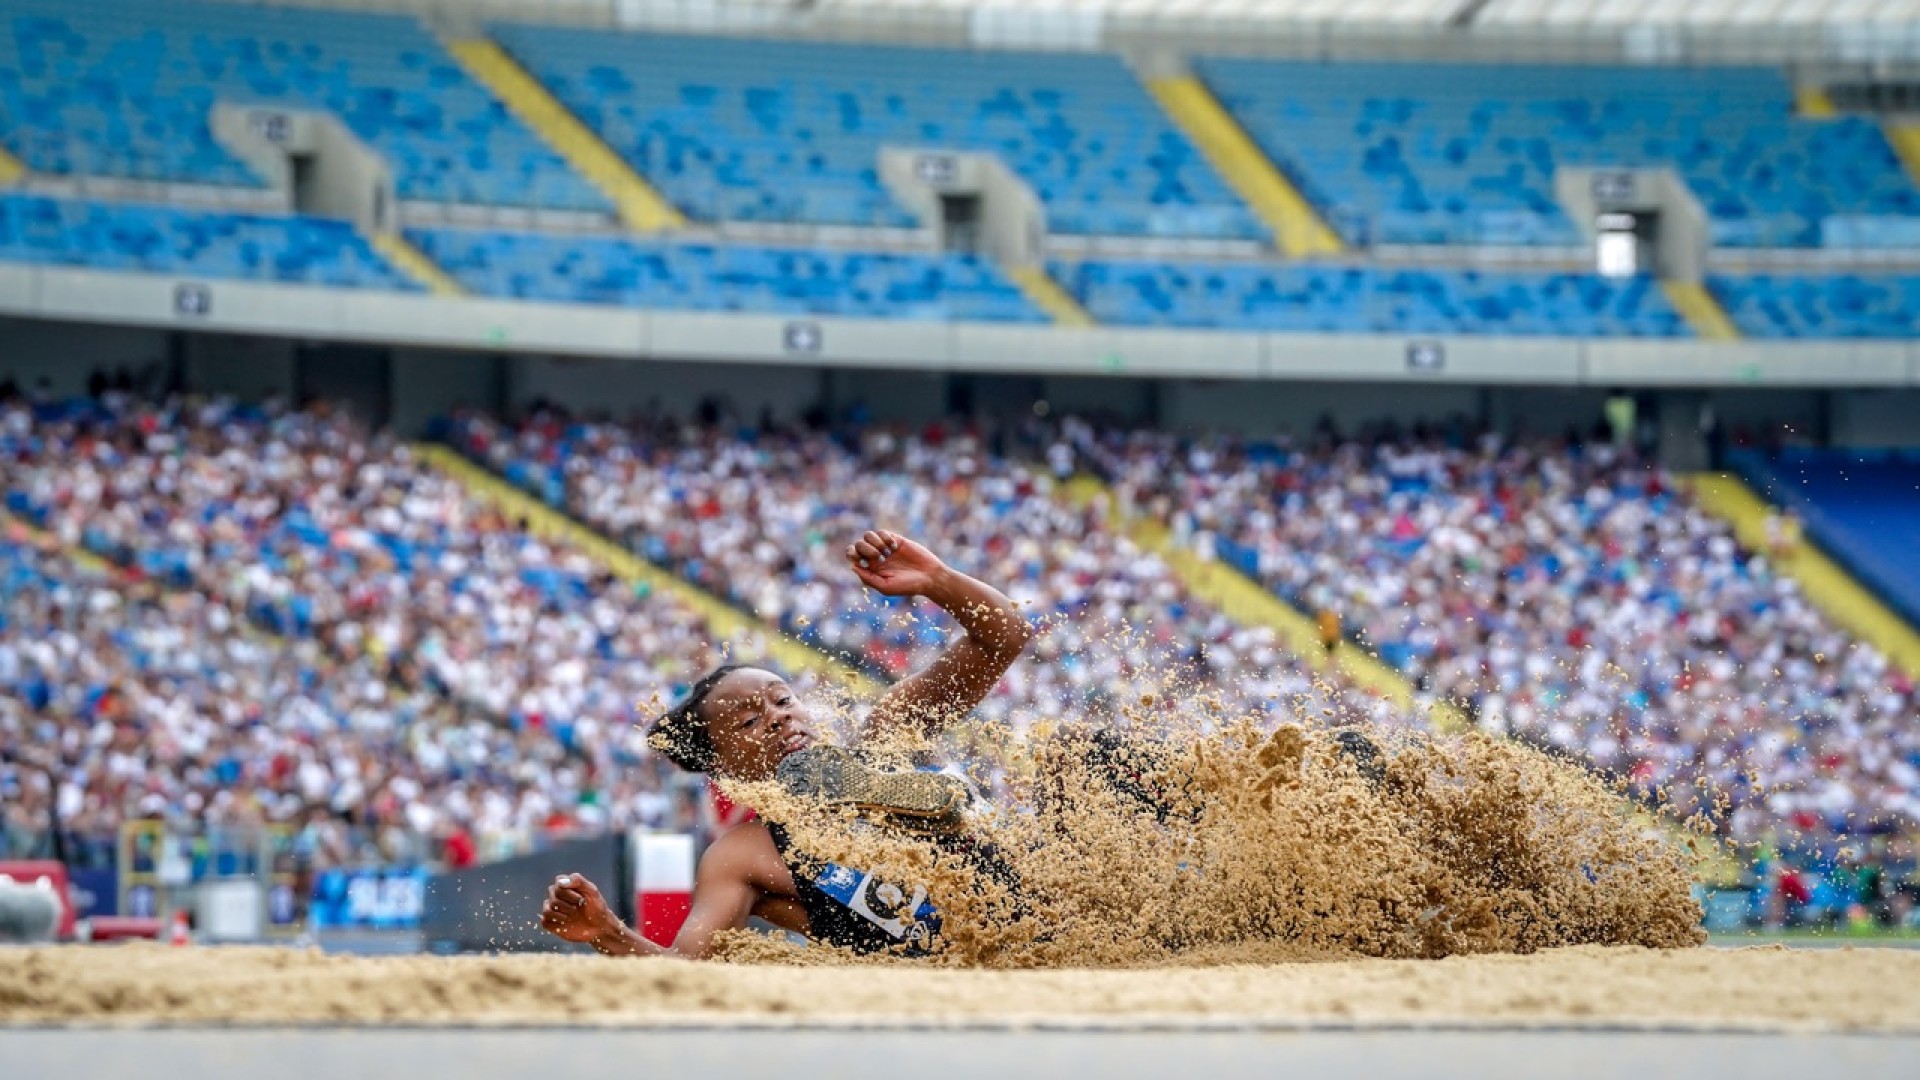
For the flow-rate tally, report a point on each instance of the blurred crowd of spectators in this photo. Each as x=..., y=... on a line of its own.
x=1570, y=594
x=763, y=516
x=230, y=615
x=297, y=622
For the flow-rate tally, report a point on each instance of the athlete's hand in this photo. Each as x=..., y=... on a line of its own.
x=575, y=910
x=893, y=565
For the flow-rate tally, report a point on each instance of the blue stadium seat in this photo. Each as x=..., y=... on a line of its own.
x=311, y=251
x=713, y=277
x=734, y=129
x=125, y=87
x=1434, y=153
x=1861, y=506
x=1821, y=305
x=1335, y=299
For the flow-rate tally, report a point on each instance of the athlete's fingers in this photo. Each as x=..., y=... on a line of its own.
x=571, y=890
x=868, y=554
x=883, y=541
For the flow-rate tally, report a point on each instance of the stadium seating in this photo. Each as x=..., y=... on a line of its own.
x=758, y=517
x=1863, y=507
x=1359, y=299
x=714, y=277
x=125, y=88
x=750, y=130
x=1436, y=154
x=435, y=666
x=157, y=239
x=1571, y=596
x=1821, y=306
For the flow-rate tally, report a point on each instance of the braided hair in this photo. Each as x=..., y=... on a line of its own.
x=681, y=734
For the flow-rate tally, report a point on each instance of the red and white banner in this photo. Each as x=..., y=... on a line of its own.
x=663, y=883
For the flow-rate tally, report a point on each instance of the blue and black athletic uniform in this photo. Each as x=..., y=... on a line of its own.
x=853, y=909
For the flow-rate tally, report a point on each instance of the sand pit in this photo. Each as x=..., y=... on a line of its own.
x=1760, y=989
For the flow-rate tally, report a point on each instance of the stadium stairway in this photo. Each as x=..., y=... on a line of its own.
x=1045, y=293
x=411, y=261
x=1904, y=135
x=640, y=206
x=726, y=620
x=1825, y=582
x=1701, y=309
x=1249, y=603
x=1811, y=102
x=18, y=530
x=1298, y=230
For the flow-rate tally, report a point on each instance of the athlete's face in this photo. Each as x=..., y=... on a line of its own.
x=755, y=720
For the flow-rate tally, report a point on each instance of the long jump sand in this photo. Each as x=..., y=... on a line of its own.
x=1760, y=989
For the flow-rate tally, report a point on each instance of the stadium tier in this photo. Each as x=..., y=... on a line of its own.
x=1569, y=595
x=780, y=131
x=756, y=518
x=678, y=274
x=125, y=88
x=731, y=277
x=1863, y=507
x=1438, y=154
x=1821, y=305
x=1363, y=299
x=158, y=239
x=435, y=665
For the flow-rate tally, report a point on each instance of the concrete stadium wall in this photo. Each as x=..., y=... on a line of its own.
x=404, y=359
x=58, y=359
x=397, y=319
x=619, y=388
x=1881, y=418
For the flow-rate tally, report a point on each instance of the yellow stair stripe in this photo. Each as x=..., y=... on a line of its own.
x=414, y=263
x=1904, y=137
x=1813, y=103
x=1249, y=603
x=11, y=168
x=727, y=621
x=1701, y=310
x=639, y=205
x=1298, y=230
x=74, y=553
x=1834, y=591
x=1047, y=295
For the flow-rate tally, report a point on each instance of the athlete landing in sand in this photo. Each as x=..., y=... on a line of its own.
x=743, y=722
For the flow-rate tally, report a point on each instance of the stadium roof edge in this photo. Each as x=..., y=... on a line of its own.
x=1651, y=32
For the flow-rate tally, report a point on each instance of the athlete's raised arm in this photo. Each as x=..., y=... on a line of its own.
x=966, y=672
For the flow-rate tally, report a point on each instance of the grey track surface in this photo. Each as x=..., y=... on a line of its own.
x=929, y=1055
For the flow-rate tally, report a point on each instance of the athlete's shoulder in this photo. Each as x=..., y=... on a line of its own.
x=746, y=853
x=746, y=836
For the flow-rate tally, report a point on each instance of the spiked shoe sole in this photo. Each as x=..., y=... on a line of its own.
x=829, y=774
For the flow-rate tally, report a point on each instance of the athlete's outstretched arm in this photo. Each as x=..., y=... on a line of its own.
x=723, y=898
x=966, y=672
